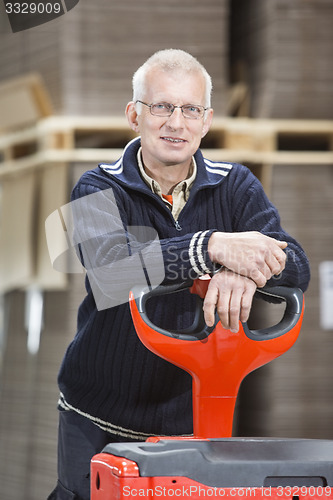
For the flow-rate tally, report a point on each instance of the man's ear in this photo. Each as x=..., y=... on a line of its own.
x=207, y=122
x=132, y=116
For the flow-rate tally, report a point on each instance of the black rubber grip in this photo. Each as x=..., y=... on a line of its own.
x=293, y=297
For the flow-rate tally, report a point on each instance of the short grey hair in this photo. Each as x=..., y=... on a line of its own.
x=170, y=60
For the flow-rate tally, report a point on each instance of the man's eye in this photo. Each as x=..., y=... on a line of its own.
x=162, y=106
x=193, y=109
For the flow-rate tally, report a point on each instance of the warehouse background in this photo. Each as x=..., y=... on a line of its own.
x=268, y=60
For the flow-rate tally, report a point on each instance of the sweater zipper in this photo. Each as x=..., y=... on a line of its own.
x=175, y=222
x=177, y=225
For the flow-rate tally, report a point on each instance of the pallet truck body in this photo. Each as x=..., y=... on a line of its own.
x=211, y=463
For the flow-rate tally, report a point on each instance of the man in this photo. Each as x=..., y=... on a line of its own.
x=208, y=216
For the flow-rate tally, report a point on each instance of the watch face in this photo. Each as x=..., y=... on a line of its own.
x=24, y=15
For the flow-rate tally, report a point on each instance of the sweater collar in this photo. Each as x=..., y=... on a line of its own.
x=126, y=170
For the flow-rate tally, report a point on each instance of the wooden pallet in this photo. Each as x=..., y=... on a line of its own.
x=258, y=144
x=85, y=139
x=23, y=101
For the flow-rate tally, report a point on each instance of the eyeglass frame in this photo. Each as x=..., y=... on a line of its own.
x=173, y=107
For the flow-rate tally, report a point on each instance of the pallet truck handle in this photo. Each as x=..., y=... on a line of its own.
x=293, y=297
x=217, y=359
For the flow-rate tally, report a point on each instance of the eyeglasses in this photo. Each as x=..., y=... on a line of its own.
x=165, y=109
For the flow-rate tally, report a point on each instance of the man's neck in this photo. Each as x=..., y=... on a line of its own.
x=169, y=176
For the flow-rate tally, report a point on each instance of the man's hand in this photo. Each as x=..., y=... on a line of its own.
x=249, y=254
x=231, y=295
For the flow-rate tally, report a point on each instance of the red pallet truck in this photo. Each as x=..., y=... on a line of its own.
x=212, y=463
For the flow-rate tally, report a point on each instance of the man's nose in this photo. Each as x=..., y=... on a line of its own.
x=176, y=119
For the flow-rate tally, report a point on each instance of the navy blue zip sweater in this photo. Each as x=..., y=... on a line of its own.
x=107, y=375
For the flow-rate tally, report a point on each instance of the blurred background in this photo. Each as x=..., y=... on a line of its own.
x=63, y=90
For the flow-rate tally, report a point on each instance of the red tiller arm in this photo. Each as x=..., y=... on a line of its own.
x=217, y=359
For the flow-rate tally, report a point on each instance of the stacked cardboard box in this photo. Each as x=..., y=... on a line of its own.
x=88, y=56
x=284, y=49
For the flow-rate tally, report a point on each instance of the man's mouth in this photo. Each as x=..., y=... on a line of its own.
x=173, y=139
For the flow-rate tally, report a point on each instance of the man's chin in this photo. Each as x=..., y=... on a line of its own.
x=177, y=158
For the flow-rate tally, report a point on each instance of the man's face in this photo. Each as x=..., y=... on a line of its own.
x=170, y=140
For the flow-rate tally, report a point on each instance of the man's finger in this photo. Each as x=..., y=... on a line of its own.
x=223, y=308
x=209, y=305
x=258, y=277
x=246, y=305
x=235, y=310
x=281, y=244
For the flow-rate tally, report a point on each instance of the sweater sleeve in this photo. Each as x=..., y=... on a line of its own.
x=254, y=212
x=118, y=257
